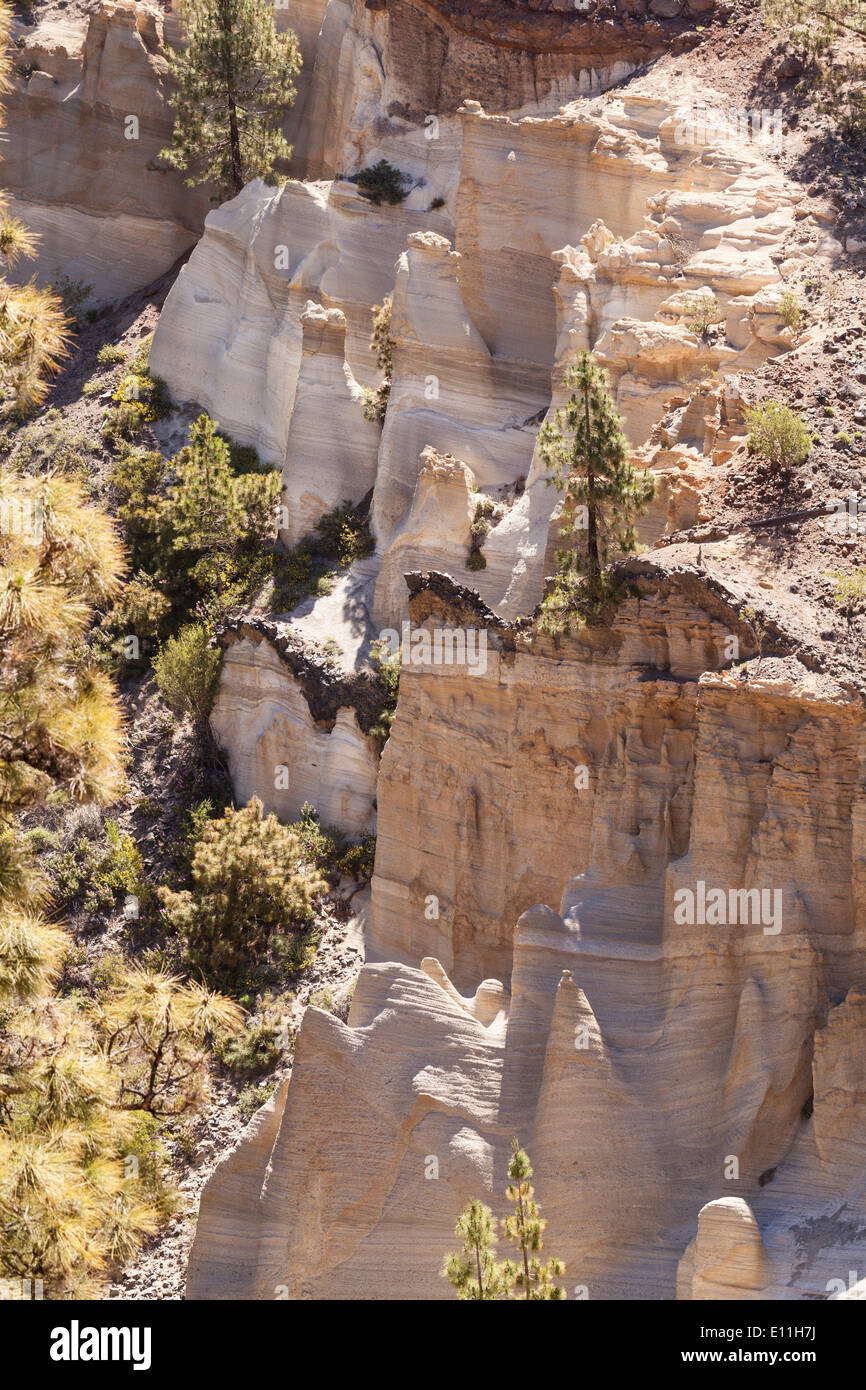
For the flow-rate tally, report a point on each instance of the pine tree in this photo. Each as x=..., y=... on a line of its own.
x=33, y=328
x=211, y=508
x=59, y=718
x=473, y=1271
x=187, y=669
x=250, y=884
x=530, y=1279
x=588, y=455
x=157, y=1028
x=212, y=511
x=234, y=86
x=71, y=1209
x=75, y=1072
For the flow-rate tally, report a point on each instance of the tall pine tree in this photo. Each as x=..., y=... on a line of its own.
x=234, y=86
x=214, y=511
x=588, y=455
x=473, y=1270
x=529, y=1279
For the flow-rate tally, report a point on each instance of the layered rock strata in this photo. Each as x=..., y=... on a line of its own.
x=659, y=1057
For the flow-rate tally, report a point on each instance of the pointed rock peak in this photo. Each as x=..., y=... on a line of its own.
x=538, y=918
x=490, y=998
x=574, y=1024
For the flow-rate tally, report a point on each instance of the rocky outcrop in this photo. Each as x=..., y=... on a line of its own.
x=403, y=67
x=605, y=226
x=296, y=728
x=655, y=1051
x=230, y=335
x=331, y=450
x=803, y=1234
x=86, y=118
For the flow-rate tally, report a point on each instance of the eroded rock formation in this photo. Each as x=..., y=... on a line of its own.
x=553, y=817
x=636, y=1052
x=86, y=119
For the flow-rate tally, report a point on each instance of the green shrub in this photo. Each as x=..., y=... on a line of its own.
x=778, y=435
x=476, y=561
x=73, y=294
x=137, y=617
x=243, y=458
x=252, y=1098
x=382, y=345
x=187, y=669
x=850, y=590
x=110, y=355
x=345, y=535
x=388, y=664
x=357, y=860
x=256, y=1048
x=249, y=885
x=96, y=872
x=143, y=398
x=39, y=839
x=789, y=310
x=382, y=183
x=704, y=312
x=320, y=844
x=298, y=951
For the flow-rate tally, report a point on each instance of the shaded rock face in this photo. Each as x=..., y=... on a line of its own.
x=331, y=449
x=295, y=732
x=659, y=1059
x=86, y=118
x=231, y=335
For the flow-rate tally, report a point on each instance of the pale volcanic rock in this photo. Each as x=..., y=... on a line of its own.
x=643, y=359
x=402, y=1020
x=77, y=172
x=726, y=1259
x=226, y=1192
x=676, y=1046
x=388, y=79
x=280, y=753
x=719, y=1113
x=681, y=307
x=435, y=534
x=332, y=450
x=446, y=390
x=810, y=1212
x=305, y=19
x=230, y=334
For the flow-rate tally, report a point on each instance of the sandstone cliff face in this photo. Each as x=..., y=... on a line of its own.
x=231, y=337
x=295, y=733
x=551, y=816
x=401, y=69
x=600, y=227
x=331, y=449
x=636, y=1053
x=86, y=119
